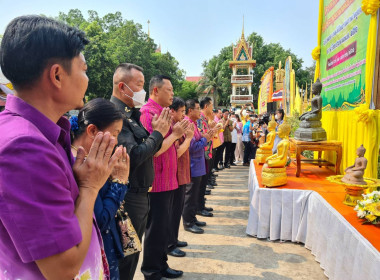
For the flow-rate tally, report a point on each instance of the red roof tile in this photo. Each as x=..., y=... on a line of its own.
x=194, y=79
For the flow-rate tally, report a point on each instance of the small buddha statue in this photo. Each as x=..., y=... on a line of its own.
x=310, y=122
x=354, y=173
x=274, y=171
x=265, y=150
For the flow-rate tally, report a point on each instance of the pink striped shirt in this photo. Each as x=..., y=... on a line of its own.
x=165, y=165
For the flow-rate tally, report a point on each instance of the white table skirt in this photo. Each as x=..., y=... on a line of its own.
x=305, y=216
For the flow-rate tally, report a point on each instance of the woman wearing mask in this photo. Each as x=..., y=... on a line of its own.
x=100, y=115
x=279, y=116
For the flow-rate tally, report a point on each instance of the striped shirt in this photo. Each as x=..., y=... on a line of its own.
x=202, y=124
x=165, y=165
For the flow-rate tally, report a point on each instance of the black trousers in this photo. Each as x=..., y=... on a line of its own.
x=215, y=159
x=178, y=202
x=137, y=207
x=202, y=188
x=249, y=151
x=218, y=159
x=191, y=201
x=227, y=152
x=221, y=151
x=157, y=234
x=232, y=153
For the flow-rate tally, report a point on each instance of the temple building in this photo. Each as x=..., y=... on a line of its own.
x=242, y=68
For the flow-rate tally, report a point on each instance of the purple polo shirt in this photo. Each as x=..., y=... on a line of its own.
x=37, y=194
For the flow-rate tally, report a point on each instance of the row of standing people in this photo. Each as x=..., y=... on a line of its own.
x=48, y=198
x=169, y=168
x=40, y=177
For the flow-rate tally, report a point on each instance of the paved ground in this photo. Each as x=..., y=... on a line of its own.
x=225, y=252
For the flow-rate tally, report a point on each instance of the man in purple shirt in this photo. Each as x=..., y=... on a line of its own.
x=47, y=227
x=197, y=169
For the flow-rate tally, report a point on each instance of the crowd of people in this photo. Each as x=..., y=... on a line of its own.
x=64, y=182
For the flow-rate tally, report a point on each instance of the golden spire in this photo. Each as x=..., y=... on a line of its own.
x=148, y=28
x=242, y=32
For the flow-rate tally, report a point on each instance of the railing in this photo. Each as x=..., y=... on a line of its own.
x=241, y=79
x=241, y=99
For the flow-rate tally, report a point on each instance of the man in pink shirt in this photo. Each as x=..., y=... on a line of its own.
x=157, y=234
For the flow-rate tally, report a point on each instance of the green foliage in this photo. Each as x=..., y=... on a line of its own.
x=308, y=154
x=114, y=40
x=218, y=74
x=294, y=123
x=217, y=77
x=187, y=90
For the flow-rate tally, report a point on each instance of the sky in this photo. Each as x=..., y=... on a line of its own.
x=195, y=30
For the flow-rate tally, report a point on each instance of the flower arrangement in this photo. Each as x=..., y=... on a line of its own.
x=369, y=208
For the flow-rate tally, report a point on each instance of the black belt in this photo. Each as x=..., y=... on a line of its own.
x=138, y=190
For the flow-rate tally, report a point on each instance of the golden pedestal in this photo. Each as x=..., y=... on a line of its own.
x=274, y=177
x=354, y=192
x=262, y=155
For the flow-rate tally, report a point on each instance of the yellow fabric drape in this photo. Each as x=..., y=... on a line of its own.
x=362, y=125
x=343, y=126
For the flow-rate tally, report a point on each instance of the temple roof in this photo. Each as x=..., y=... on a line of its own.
x=242, y=52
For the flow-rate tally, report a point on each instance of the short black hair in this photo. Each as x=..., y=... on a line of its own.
x=127, y=67
x=205, y=101
x=224, y=110
x=215, y=110
x=157, y=81
x=177, y=103
x=99, y=112
x=30, y=43
x=190, y=104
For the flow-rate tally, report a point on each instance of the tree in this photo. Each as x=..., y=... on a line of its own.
x=187, y=90
x=114, y=40
x=217, y=77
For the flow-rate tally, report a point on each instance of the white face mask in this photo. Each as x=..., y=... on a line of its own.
x=138, y=97
x=276, y=117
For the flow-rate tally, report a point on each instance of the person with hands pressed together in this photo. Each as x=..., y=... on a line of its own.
x=178, y=110
x=165, y=182
x=58, y=238
x=128, y=93
x=197, y=169
x=101, y=115
x=206, y=114
x=228, y=128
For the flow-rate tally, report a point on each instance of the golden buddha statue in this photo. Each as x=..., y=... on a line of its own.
x=274, y=170
x=265, y=150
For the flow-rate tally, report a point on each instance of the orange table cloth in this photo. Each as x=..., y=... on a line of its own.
x=314, y=178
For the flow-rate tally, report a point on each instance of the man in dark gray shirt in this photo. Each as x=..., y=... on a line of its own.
x=128, y=92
